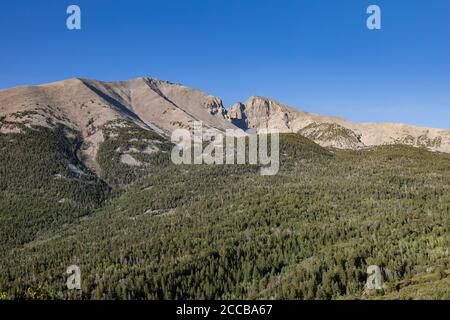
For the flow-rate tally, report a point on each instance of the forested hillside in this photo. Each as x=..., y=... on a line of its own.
x=43, y=185
x=147, y=229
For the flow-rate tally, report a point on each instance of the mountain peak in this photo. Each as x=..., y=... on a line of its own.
x=85, y=105
x=255, y=100
x=259, y=112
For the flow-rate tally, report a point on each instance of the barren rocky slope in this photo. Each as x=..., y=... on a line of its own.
x=260, y=112
x=87, y=105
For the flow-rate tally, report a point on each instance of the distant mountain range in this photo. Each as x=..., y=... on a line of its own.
x=86, y=105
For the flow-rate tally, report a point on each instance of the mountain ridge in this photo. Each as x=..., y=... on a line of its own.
x=87, y=180
x=265, y=113
x=163, y=106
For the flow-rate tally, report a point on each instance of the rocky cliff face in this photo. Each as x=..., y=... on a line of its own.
x=260, y=112
x=86, y=105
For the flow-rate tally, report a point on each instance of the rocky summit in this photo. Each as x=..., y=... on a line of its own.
x=86, y=105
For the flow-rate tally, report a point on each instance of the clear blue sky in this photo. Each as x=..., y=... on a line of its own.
x=315, y=55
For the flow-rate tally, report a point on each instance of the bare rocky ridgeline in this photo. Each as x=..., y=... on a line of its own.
x=260, y=113
x=87, y=105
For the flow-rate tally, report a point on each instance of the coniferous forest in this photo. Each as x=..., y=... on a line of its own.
x=165, y=231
